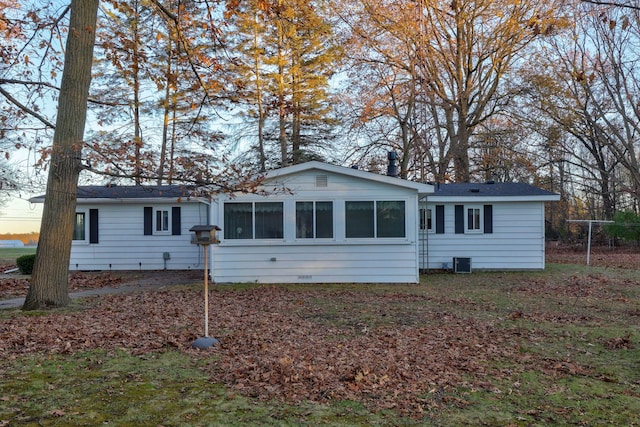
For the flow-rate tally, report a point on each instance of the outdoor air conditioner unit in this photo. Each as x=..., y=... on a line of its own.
x=462, y=265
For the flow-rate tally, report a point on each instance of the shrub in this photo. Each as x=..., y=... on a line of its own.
x=626, y=226
x=25, y=263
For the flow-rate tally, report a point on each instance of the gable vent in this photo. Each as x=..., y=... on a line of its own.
x=321, y=180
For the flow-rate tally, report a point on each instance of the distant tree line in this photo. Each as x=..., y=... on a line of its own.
x=26, y=238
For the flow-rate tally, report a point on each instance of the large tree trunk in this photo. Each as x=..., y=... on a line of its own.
x=49, y=283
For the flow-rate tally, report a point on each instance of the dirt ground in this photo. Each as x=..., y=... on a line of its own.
x=15, y=285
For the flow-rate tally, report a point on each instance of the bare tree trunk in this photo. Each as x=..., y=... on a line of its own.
x=49, y=283
x=261, y=114
x=137, y=138
x=166, y=111
x=282, y=109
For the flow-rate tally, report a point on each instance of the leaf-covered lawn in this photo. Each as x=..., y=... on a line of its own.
x=535, y=348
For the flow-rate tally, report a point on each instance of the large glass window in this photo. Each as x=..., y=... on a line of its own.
x=238, y=221
x=264, y=220
x=269, y=224
x=79, y=227
x=359, y=219
x=314, y=220
x=375, y=219
x=390, y=219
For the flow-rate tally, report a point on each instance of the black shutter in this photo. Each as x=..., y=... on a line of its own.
x=488, y=219
x=459, y=219
x=175, y=221
x=93, y=225
x=439, y=219
x=148, y=221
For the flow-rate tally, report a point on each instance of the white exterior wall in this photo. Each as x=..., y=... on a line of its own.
x=517, y=241
x=292, y=260
x=123, y=246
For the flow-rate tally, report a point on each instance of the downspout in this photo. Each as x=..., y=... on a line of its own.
x=424, y=241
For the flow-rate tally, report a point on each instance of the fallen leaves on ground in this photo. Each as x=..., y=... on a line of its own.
x=11, y=287
x=379, y=348
x=623, y=257
x=304, y=345
x=271, y=347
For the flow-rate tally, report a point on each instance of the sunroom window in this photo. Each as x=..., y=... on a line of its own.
x=314, y=220
x=259, y=220
x=268, y=220
x=375, y=219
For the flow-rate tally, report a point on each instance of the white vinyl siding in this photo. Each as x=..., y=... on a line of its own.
x=123, y=246
x=515, y=243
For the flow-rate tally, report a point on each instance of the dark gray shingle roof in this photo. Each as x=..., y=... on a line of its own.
x=502, y=189
x=134, y=191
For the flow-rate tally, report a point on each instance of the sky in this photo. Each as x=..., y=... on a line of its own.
x=20, y=216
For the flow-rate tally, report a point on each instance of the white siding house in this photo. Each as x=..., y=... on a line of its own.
x=320, y=224
x=498, y=226
x=136, y=228
x=315, y=223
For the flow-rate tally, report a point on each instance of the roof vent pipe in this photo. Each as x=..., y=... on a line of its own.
x=392, y=168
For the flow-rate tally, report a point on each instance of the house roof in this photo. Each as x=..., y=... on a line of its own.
x=516, y=191
x=421, y=188
x=96, y=193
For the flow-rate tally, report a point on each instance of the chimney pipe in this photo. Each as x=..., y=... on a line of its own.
x=392, y=168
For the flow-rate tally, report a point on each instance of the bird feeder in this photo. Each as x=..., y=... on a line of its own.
x=205, y=235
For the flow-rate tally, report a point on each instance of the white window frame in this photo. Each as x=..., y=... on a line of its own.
x=162, y=232
x=480, y=225
x=253, y=229
x=85, y=215
x=375, y=219
x=314, y=225
x=424, y=215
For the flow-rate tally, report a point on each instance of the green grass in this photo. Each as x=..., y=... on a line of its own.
x=567, y=372
x=11, y=254
x=99, y=388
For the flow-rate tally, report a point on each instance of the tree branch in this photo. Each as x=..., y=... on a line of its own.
x=613, y=3
x=26, y=109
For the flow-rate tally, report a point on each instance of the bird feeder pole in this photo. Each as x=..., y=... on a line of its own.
x=204, y=235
